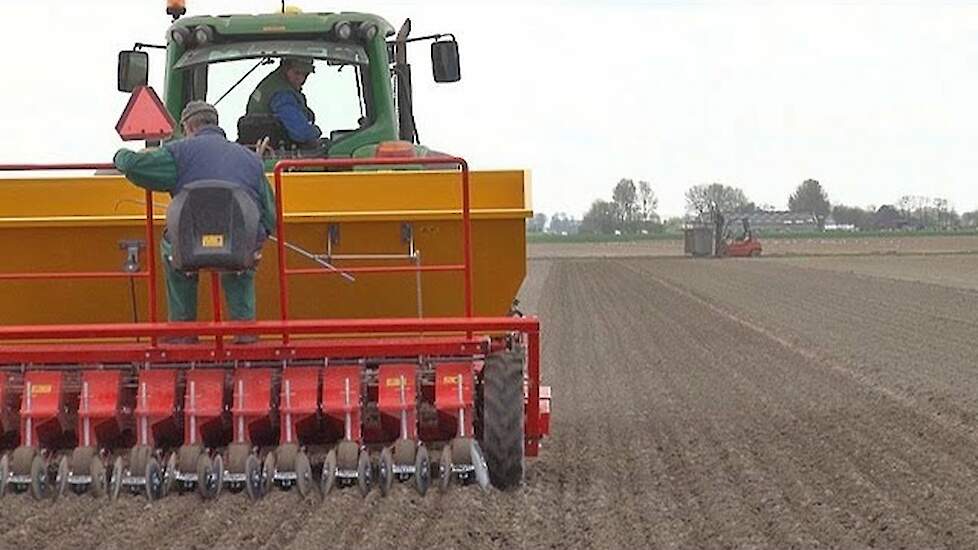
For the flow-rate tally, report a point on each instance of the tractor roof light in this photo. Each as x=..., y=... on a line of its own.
x=368, y=31
x=180, y=36
x=204, y=34
x=176, y=8
x=343, y=30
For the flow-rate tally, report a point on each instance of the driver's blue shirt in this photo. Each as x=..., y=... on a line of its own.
x=287, y=109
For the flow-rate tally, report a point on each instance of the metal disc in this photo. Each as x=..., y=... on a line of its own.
x=218, y=474
x=364, y=472
x=154, y=480
x=61, y=480
x=479, y=463
x=328, y=478
x=39, y=477
x=445, y=468
x=303, y=473
x=422, y=470
x=116, y=481
x=268, y=473
x=385, y=474
x=205, y=476
x=4, y=473
x=98, y=488
x=253, y=477
x=170, y=473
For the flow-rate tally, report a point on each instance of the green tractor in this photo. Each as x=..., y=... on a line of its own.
x=362, y=90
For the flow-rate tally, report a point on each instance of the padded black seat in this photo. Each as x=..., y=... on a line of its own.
x=254, y=128
x=213, y=225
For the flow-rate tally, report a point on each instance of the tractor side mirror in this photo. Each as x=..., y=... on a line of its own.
x=133, y=70
x=444, y=61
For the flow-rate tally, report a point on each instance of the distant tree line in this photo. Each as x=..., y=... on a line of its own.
x=632, y=210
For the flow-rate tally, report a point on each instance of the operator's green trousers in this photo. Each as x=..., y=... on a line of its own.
x=181, y=291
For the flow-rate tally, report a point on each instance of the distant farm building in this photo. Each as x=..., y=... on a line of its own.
x=779, y=221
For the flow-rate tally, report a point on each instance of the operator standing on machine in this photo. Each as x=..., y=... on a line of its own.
x=204, y=154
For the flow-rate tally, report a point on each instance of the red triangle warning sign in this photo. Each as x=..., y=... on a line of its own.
x=145, y=117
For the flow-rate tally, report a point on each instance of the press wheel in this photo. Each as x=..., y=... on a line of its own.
x=61, y=480
x=328, y=478
x=205, y=477
x=364, y=473
x=170, y=473
x=154, y=487
x=253, y=477
x=445, y=468
x=39, y=477
x=422, y=470
x=116, y=481
x=268, y=473
x=99, y=487
x=385, y=474
x=4, y=473
x=303, y=474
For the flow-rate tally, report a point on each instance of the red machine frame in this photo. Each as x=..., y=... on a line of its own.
x=445, y=336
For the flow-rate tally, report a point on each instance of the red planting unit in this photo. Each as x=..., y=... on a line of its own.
x=44, y=411
x=342, y=401
x=100, y=415
x=156, y=406
x=397, y=393
x=203, y=407
x=251, y=408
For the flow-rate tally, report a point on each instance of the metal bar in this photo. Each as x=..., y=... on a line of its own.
x=73, y=275
x=379, y=269
x=296, y=326
x=532, y=445
x=316, y=258
x=466, y=237
x=101, y=356
x=151, y=260
x=355, y=257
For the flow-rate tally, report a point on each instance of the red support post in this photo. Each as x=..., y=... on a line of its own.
x=283, y=289
x=532, y=447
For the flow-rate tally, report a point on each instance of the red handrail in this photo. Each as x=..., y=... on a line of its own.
x=284, y=272
x=149, y=274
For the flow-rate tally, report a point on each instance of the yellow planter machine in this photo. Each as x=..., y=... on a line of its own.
x=390, y=347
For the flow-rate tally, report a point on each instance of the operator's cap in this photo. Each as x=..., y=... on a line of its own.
x=299, y=63
x=196, y=108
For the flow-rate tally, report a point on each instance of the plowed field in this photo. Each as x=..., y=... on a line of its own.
x=698, y=404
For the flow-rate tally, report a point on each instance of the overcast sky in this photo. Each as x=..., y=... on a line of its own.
x=875, y=100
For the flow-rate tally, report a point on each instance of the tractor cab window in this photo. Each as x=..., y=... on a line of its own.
x=333, y=94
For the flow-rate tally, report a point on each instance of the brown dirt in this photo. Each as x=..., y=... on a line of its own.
x=772, y=247
x=698, y=404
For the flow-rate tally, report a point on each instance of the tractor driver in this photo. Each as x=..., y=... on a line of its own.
x=280, y=94
x=204, y=154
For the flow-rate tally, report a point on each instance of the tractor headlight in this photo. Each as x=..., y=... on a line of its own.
x=204, y=35
x=368, y=32
x=180, y=36
x=343, y=30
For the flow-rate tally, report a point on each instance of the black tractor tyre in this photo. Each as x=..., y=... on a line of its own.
x=503, y=417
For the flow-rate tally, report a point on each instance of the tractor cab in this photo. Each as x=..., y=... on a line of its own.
x=359, y=93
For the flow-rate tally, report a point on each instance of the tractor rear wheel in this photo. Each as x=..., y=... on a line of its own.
x=502, y=418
